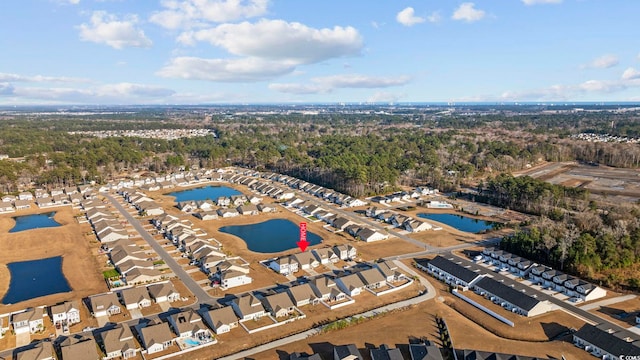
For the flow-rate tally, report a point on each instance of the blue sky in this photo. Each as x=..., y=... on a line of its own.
x=292, y=51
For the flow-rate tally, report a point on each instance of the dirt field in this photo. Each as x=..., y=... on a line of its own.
x=599, y=180
x=399, y=328
x=78, y=250
x=622, y=313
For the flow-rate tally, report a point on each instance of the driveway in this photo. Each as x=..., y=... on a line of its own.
x=102, y=320
x=23, y=339
x=135, y=313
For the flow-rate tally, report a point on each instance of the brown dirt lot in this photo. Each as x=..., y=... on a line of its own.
x=628, y=309
x=79, y=265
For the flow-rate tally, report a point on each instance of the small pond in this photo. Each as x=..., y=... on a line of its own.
x=270, y=236
x=28, y=222
x=35, y=278
x=460, y=222
x=204, y=193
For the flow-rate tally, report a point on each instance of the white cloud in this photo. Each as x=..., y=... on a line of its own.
x=383, y=97
x=329, y=83
x=108, y=29
x=119, y=93
x=467, y=12
x=194, y=13
x=38, y=78
x=536, y=2
x=278, y=39
x=631, y=74
x=6, y=89
x=225, y=70
x=435, y=17
x=602, y=62
x=407, y=17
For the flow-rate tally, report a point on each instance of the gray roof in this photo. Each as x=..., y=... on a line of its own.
x=507, y=293
x=118, y=338
x=371, y=276
x=424, y=352
x=345, y=351
x=454, y=269
x=222, y=316
x=612, y=341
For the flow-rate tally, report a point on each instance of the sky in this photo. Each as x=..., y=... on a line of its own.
x=119, y=52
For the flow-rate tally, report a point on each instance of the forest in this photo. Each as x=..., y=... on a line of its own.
x=366, y=154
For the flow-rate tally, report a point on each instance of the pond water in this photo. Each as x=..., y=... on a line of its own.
x=270, y=236
x=35, y=278
x=204, y=193
x=460, y=222
x=28, y=222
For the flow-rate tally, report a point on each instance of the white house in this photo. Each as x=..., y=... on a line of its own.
x=29, y=321
x=345, y=252
x=305, y=260
x=351, y=284
x=156, y=338
x=67, y=313
x=326, y=255
x=118, y=342
x=135, y=298
x=163, y=292
x=222, y=319
x=248, y=307
x=229, y=279
x=371, y=235
x=284, y=265
x=188, y=323
x=106, y=304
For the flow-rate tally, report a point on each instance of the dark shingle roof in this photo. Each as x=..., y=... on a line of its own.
x=613, y=343
x=507, y=293
x=454, y=269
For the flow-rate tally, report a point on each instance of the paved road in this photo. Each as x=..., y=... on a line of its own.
x=606, y=302
x=192, y=285
x=427, y=295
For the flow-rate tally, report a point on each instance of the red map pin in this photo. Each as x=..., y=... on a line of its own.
x=302, y=244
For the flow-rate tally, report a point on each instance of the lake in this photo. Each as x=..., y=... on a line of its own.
x=36, y=221
x=35, y=278
x=270, y=236
x=204, y=193
x=460, y=222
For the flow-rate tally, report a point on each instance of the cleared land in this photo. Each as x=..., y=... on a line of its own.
x=598, y=179
x=73, y=241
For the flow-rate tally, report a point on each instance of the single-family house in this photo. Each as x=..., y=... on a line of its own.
x=414, y=225
x=222, y=319
x=386, y=353
x=346, y=352
x=156, y=337
x=279, y=305
x=372, y=278
x=266, y=208
x=106, y=304
x=302, y=294
x=371, y=235
x=6, y=207
x=326, y=255
x=118, y=342
x=129, y=265
x=223, y=201
x=227, y=213
x=422, y=351
x=248, y=307
x=111, y=235
x=389, y=270
x=284, y=265
x=233, y=278
x=207, y=215
x=79, y=347
x=135, y=297
x=238, y=200
x=29, y=321
x=42, y=350
x=67, y=313
x=351, y=284
x=143, y=276
x=22, y=204
x=305, y=260
x=163, y=292
x=248, y=209
x=188, y=323
x=9, y=198
x=340, y=223
x=345, y=252
x=25, y=195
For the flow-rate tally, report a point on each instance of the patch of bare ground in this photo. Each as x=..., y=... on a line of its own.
x=72, y=241
x=622, y=313
x=398, y=328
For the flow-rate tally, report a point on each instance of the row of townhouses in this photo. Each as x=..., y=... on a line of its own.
x=290, y=264
x=455, y=273
x=543, y=275
x=43, y=199
x=399, y=221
